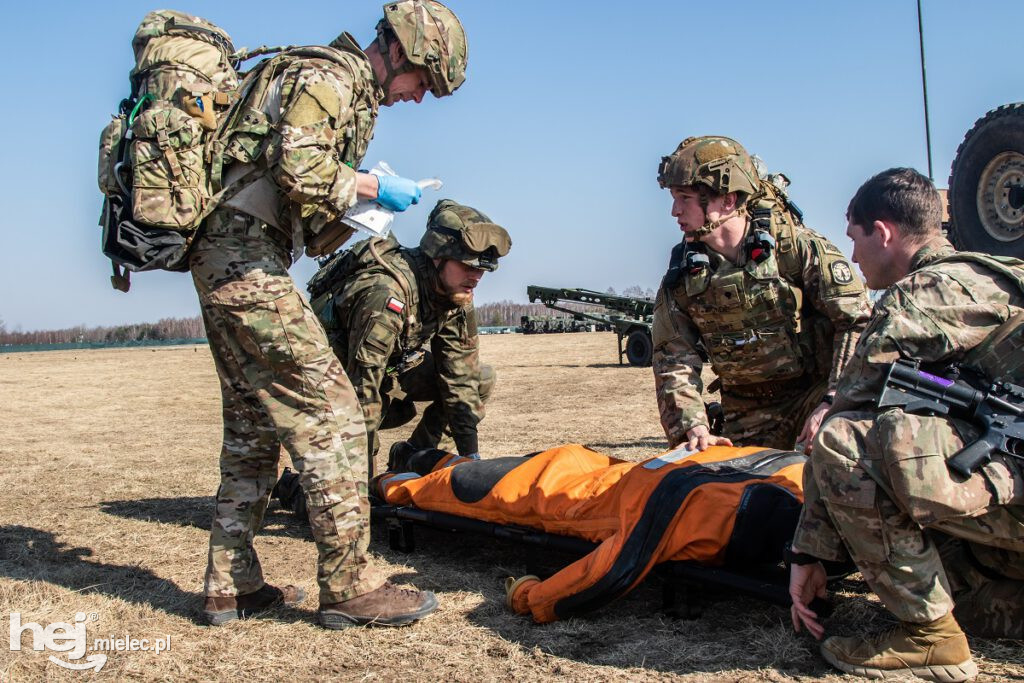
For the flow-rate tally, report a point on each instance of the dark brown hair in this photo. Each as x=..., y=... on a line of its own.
x=901, y=196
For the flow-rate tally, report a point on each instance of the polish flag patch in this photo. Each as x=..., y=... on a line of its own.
x=395, y=305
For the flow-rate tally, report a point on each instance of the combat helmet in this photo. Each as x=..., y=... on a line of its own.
x=715, y=162
x=431, y=37
x=459, y=232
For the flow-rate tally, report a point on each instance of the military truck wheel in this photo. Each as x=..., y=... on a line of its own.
x=986, y=185
x=639, y=348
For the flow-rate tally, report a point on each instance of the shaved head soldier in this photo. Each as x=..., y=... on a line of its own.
x=938, y=548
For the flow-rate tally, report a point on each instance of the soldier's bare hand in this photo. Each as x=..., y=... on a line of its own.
x=811, y=426
x=806, y=582
x=700, y=437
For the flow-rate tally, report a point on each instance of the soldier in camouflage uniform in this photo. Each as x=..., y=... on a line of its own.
x=403, y=324
x=773, y=305
x=931, y=543
x=292, y=144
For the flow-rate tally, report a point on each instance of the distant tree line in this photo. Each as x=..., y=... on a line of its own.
x=506, y=313
x=166, y=328
x=495, y=314
x=635, y=291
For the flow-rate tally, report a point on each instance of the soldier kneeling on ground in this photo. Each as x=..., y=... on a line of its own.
x=883, y=486
x=772, y=305
x=403, y=324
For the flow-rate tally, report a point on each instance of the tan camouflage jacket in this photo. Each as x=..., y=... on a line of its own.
x=799, y=311
x=312, y=126
x=936, y=314
x=373, y=336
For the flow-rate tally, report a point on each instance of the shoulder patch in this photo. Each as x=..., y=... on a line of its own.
x=841, y=272
x=836, y=273
x=395, y=305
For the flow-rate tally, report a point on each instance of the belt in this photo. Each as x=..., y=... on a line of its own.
x=769, y=389
x=230, y=221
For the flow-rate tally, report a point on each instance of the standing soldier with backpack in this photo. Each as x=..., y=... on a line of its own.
x=290, y=146
x=773, y=305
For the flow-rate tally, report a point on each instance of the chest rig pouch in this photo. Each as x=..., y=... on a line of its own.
x=748, y=321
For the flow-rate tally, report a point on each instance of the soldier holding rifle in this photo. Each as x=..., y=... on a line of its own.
x=943, y=551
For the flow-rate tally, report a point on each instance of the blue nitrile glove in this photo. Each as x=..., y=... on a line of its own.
x=397, y=193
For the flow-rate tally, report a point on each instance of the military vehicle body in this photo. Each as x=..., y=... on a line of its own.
x=547, y=324
x=630, y=317
x=986, y=185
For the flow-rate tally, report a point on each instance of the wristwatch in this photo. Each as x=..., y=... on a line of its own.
x=828, y=398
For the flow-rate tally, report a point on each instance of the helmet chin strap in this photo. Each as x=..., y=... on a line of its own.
x=709, y=225
x=384, y=48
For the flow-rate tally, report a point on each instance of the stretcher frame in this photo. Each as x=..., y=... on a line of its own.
x=683, y=583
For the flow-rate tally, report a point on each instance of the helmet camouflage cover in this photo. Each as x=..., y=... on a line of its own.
x=432, y=38
x=718, y=163
x=462, y=233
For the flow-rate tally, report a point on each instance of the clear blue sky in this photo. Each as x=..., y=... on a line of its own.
x=556, y=134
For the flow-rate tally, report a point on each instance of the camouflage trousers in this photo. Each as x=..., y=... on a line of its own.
x=421, y=384
x=771, y=421
x=281, y=387
x=924, y=538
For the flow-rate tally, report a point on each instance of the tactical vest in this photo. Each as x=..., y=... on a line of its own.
x=245, y=136
x=338, y=279
x=750, y=316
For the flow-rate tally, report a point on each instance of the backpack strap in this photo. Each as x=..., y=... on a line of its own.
x=121, y=280
x=246, y=114
x=1001, y=353
x=1008, y=267
x=773, y=216
x=409, y=319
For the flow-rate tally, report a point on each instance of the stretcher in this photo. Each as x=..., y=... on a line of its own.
x=720, y=517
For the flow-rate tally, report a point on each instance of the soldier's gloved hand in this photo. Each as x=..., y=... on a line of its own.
x=397, y=193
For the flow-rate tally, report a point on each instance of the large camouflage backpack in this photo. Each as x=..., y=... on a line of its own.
x=154, y=154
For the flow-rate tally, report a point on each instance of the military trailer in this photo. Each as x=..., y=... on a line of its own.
x=547, y=324
x=630, y=317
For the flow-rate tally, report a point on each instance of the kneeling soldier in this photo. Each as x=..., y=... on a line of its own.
x=883, y=486
x=402, y=322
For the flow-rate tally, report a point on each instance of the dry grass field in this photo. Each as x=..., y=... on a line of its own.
x=109, y=469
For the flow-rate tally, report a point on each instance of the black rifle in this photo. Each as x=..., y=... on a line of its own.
x=997, y=412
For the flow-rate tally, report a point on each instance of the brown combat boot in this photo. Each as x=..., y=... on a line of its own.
x=936, y=651
x=389, y=605
x=218, y=611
